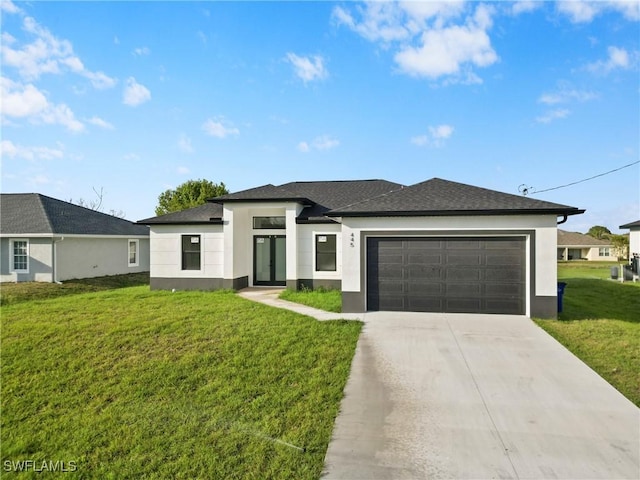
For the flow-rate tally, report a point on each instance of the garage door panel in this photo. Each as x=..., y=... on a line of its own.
x=423, y=273
x=502, y=275
x=463, y=274
x=503, y=259
x=471, y=259
x=466, y=275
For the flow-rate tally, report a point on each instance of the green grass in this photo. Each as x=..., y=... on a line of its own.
x=329, y=300
x=130, y=383
x=11, y=293
x=600, y=324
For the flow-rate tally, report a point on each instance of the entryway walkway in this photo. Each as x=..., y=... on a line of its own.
x=269, y=296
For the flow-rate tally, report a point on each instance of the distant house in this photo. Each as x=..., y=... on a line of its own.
x=578, y=246
x=47, y=240
x=634, y=237
x=436, y=246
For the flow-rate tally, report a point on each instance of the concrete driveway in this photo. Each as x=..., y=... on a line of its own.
x=474, y=397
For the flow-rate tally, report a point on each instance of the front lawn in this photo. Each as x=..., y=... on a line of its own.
x=329, y=300
x=11, y=293
x=130, y=383
x=600, y=324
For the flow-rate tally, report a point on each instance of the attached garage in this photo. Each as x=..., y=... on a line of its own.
x=447, y=274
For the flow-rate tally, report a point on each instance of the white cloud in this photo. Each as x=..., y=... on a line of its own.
x=429, y=39
x=320, y=143
x=135, y=93
x=585, y=12
x=435, y=136
x=308, y=69
x=566, y=94
x=48, y=54
x=11, y=150
x=303, y=147
x=183, y=170
x=445, y=51
x=219, y=128
x=141, y=51
x=553, y=115
x=62, y=115
x=26, y=101
x=99, y=122
x=131, y=157
x=21, y=100
x=525, y=6
x=9, y=7
x=184, y=144
x=618, y=58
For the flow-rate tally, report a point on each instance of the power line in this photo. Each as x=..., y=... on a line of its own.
x=526, y=190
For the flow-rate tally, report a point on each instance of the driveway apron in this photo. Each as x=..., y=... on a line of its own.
x=447, y=396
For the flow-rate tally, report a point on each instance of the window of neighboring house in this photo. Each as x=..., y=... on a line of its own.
x=133, y=253
x=191, y=252
x=20, y=255
x=263, y=223
x=325, y=253
x=604, y=252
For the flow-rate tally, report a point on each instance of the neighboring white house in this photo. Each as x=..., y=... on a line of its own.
x=436, y=246
x=578, y=246
x=43, y=239
x=634, y=237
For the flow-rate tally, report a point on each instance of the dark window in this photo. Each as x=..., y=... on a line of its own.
x=325, y=253
x=264, y=223
x=191, y=252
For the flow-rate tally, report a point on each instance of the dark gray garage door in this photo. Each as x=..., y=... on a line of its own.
x=465, y=275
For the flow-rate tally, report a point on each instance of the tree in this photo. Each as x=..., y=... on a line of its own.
x=189, y=194
x=97, y=204
x=620, y=245
x=599, y=232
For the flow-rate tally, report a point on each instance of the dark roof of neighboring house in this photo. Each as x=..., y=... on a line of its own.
x=207, y=213
x=575, y=239
x=324, y=200
x=631, y=225
x=437, y=197
x=33, y=213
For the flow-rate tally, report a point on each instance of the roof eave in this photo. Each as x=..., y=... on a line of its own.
x=456, y=213
x=304, y=201
x=212, y=221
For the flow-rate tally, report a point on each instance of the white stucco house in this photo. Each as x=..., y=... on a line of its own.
x=43, y=239
x=436, y=246
x=578, y=246
x=634, y=237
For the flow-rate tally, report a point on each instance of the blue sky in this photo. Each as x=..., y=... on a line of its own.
x=135, y=98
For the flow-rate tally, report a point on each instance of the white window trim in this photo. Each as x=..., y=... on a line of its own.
x=12, y=257
x=137, y=262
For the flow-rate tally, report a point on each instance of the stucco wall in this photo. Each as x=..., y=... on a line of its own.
x=40, y=261
x=634, y=241
x=83, y=257
x=166, y=251
x=307, y=251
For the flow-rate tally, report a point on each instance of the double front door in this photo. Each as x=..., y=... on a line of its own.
x=269, y=260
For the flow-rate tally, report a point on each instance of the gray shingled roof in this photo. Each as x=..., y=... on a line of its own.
x=324, y=200
x=33, y=213
x=630, y=225
x=575, y=239
x=207, y=213
x=443, y=197
x=319, y=198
